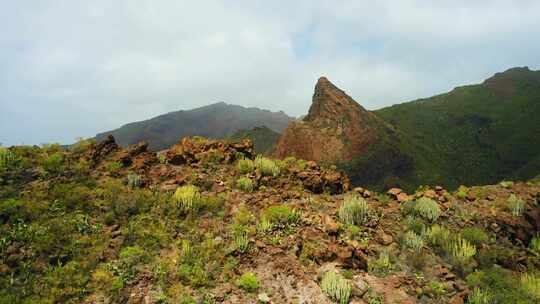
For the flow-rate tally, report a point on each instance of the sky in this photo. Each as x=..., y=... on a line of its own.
x=74, y=68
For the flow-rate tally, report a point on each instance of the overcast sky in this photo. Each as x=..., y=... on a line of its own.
x=73, y=68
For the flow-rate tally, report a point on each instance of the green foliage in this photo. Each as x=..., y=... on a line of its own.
x=53, y=164
x=423, y=207
x=114, y=167
x=8, y=159
x=475, y=235
x=515, y=205
x=248, y=282
x=462, y=192
x=460, y=250
x=531, y=285
x=534, y=246
x=245, y=184
x=266, y=166
x=82, y=145
x=188, y=198
x=336, y=287
x=437, y=288
x=479, y=296
x=245, y=165
x=506, y=184
x=382, y=265
x=134, y=180
x=501, y=285
x=354, y=210
x=241, y=241
x=413, y=241
x=281, y=215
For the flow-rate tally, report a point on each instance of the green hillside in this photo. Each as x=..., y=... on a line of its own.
x=475, y=134
x=263, y=138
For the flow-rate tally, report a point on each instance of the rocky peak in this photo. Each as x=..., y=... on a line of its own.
x=330, y=103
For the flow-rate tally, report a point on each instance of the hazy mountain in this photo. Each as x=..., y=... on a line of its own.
x=218, y=120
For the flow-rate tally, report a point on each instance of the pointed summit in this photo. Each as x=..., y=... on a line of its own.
x=331, y=103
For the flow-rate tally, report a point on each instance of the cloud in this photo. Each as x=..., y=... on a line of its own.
x=75, y=68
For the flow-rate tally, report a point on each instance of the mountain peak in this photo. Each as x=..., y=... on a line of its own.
x=330, y=103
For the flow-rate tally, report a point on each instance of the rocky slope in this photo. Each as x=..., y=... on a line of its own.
x=338, y=130
x=218, y=120
x=208, y=222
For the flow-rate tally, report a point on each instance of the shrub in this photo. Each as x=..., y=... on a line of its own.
x=354, y=210
x=188, y=198
x=134, y=180
x=245, y=184
x=8, y=159
x=475, y=235
x=531, y=285
x=506, y=184
x=534, y=246
x=413, y=241
x=427, y=208
x=462, y=192
x=461, y=250
x=479, y=296
x=113, y=167
x=381, y=265
x=53, y=163
x=438, y=236
x=515, y=205
x=248, y=282
x=245, y=165
x=336, y=287
x=267, y=166
x=241, y=242
x=281, y=215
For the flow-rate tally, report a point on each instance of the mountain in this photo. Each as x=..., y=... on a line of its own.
x=263, y=138
x=475, y=134
x=338, y=130
x=218, y=120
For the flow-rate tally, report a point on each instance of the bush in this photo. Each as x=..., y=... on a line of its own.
x=241, y=242
x=531, y=285
x=266, y=166
x=336, y=287
x=438, y=236
x=134, y=180
x=188, y=198
x=506, y=184
x=479, y=296
x=113, y=167
x=460, y=250
x=515, y=205
x=245, y=184
x=381, y=265
x=427, y=208
x=534, y=246
x=462, y=192
x=8, y=159
x=245, y=165
x=475, y=235
x=53, y=164
x=354, y=210
x=248, y=282
x=281, y=215
x=413, y=241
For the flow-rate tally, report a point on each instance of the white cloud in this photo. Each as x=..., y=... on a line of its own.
x=74, y=68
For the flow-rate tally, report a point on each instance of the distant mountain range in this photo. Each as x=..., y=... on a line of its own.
x=475, y=134
x=219, y=120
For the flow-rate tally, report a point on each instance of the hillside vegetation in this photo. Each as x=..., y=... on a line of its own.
x=210, y=221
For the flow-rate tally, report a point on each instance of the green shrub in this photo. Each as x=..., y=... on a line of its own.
x=479, y=296
x=515, y=205
x=413, y=241
x=382, y=265
x=245, y=184
x=266, y=166
x=188, y=198
x=438, y=236
x=245, y=165
x=534, y=246
x=506, y=184
x=280, y=215
x=530, y=284
x=53, y=164
x=134, y=180
x=336, y=287
x=427, y=208
x=462, y=192
x=460, y=250
x=475, y=235
x=8, y=159
x=241, y=242
x=248, y=282
x=113, y=167
x=354, y=210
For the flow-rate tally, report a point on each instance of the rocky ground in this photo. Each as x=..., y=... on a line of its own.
x=103, y=224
